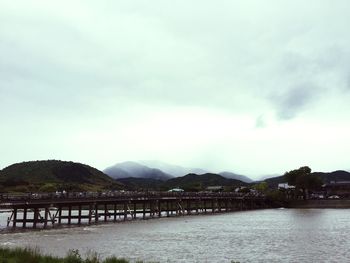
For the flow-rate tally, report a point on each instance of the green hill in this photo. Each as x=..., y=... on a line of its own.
x=189, y=182
x=334, y=176
x=274, y=181
x=194, y=182
x=142, y=184
x=54, y=175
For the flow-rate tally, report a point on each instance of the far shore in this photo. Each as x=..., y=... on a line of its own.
x=319, y=203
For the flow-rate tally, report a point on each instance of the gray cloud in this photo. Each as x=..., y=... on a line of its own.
x=307, y=79
x=295, y=100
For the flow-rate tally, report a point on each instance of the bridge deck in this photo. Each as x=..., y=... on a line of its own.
x=52, y=210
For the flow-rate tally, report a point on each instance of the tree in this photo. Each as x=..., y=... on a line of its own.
x=303, y=179
x=48, y=187
x=261, y=187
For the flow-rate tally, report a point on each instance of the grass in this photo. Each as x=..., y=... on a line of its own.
x=29, y=255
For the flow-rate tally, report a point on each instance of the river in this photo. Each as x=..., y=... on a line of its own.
x=271, y=235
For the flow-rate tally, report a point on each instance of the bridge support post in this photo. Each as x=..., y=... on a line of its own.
x=79, y=214
x=69, y=214
x=35, y=219
x=115, y=212
x=135, y=210
x=24, y=217
x=125, y=211
x=188, y=207
x=167, y=209
x=172, y=207
x=144, y=209
x=14, y=218
x=46, y=216
x=96, y=213
x=152, y=208
x=60, y=215
x=90, y=213
x=105, y=212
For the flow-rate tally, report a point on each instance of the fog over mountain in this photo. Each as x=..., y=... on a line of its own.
x=266, y=176
x=160, y=170
x=174, y=170
x=242, y=178
x=136, y=170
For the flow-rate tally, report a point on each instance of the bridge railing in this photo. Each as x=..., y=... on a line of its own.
x=7, y=197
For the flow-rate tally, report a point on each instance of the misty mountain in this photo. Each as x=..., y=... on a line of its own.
x=135, y=170
x=267, y=176
x=239, y=177
x=174, y=170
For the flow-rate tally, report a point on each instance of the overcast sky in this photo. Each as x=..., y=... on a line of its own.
x=254, y=87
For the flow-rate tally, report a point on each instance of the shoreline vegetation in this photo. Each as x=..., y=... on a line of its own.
x=30, y=255
x=33, y=255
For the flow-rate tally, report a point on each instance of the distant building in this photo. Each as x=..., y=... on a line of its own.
x=240, y=189
x=176, y=190
x=285, y=186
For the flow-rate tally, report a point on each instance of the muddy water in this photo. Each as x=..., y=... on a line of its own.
x=273, y=235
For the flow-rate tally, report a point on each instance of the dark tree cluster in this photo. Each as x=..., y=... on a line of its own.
x=303, y=180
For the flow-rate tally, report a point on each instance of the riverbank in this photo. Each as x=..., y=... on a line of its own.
x=20, y=255
x=319, y=203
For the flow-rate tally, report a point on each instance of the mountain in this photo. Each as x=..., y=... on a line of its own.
x=239, y=177
x=274, y=181
x=142, y=184
x=136, y=170
x=34, y=175
x=338, y=175
x=174, y=170
x=194, y=182
x=267, y=176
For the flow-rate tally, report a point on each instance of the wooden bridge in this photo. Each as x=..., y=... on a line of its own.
x=51, y=210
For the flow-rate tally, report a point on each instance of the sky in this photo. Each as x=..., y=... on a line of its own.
x=252, y=87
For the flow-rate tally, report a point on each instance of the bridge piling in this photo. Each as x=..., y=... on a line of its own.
x=35, y=218
x=79, y=214
x=24, y=217
x=46, y=215
x=14, y=218
x=59, y=215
